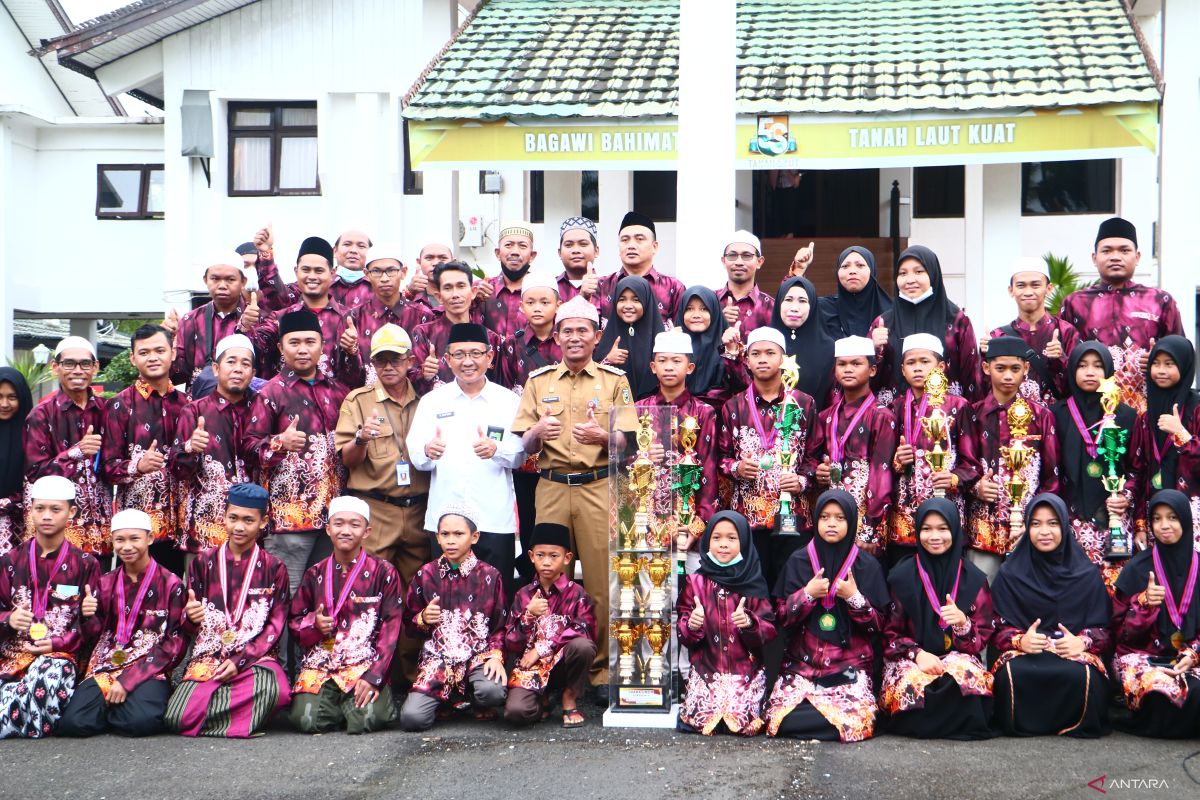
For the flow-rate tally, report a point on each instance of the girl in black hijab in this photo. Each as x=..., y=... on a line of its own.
x=1052, y=619
x=859, y=299
x=922, y=306
x=715, y=377
x=634, y=323
x=1080, y=466
x=832, y=597
x=725, y=617
x=1157, y=625
x=1170, y=374
x=15, y=404
x=797, y=316
x=934, y=684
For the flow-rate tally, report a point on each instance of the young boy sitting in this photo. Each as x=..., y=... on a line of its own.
x=456, y=604
x=346, y=618
x=552, y=628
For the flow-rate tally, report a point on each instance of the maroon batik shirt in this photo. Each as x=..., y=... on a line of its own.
x=987, y=524
x=568, y=290
x=1128, y=320
x=53, y=430
x=366, y=629
x=135, y=419
x=667, y=291
x=194, y=346
x=961, y=359
x=738, y=437
x=436, y=334
x=205, y=478
x=915, y=485
x=570, y=614
x=866, y=461
x=156, y=643
x=972, y=638
x=1136, y=630
x=1047, y=379
x=62, y=619
x=471, y=630
x=754, y=310
x=502, y=311
x=276, y=294
x=522, y=353
x=720, y=647
x=335, y=362
x=703, y=504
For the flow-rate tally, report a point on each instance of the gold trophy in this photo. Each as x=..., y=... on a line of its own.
x=1111, y=445
x=627, y=569
x=627, y=636
x=640, y=535
x=688, y=472
x=937, y=424
x=1016, y=456
x=659, y=569
x=657, y=634
x=786, y=426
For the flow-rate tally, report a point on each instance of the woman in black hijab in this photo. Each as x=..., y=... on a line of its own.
x=1080, y=467
x=1157, y=626
x=725, y=617
x=934, y=684
x=859, y=299
x=832, y=597
x=797, y=316
x=1170, y=418
x=922, y=306
x=15, y=404
x=1052, y=620
x=634, y=323
x=715, y=377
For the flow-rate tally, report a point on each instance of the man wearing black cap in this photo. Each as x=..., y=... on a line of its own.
x=314, y=274
x=1126, y=316
x=638, y=244
x=456, y=288
x=291, y=438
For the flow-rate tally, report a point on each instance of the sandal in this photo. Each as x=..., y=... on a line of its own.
x=572, y=718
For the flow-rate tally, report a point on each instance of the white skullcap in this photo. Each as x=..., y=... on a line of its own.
x=539, y=280
x=52, y=487
x=853, y=346
x=922, y=341
x=460, y=509
x=74, y=343
x=352, y=504
x=766, y=334
x=385, y=250
x=747, y=237
x=1030, y=264
x=577, y=308
x=231, y=341
x=131, y=519
x=673, y=341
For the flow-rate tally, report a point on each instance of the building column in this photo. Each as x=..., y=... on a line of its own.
x=615, y=199
x=707, y=138
x=1180, y=158
x=993, y=241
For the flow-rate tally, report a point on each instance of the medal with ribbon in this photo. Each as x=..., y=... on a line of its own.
x=936, y=602
x=126, y=621
x=827, y=621
x=41, y=597
x=229, y=635
x=766, y=436
x=837, y=444
x=334, y=610
x=1090, y=442
x=1156, y=478
x=909, y=435
x=1176, y=611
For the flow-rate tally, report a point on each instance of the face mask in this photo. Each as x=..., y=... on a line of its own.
x=914, y=300
x=736, y=560
x=515, y=275
x=348, y=275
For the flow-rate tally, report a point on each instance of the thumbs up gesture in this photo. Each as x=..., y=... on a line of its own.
x=802, y=261
x=732, y=338
x=952, y=615
x=484, y=446
x=431, y=364
x=264, y=238
x=1171, y=423
x=538, y=606
x=847, y=587
x=293, y=439
x=1154, y=592
x=171, y=320
x=348, y=341
x=549, y=427
x=879, y=337
x=591, y=282
x=89, y=605
x=983, y=345
x=89, y=445
x=151, y=460
x=419, y=284
x=199, y=441
x=904, y=455
x=193, y=609
x=823, y=470
x=739, y=617
x=617, y=355
x=435, y=448
x=696, y=618
x=1144, y=358
x=251, y=314
x=987, y=488
x=21, y=618
x=323, y=621
x=1032, y=641
x=730, y=311
x=1053, y=348
x=432, y=613
x=818, y=586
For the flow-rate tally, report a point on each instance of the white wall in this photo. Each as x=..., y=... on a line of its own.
x=23, y=80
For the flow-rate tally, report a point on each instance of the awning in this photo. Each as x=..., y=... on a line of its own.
x=795, y=141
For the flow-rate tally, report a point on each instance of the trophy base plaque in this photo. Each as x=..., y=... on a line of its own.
x=785, y=525
x=631, y=717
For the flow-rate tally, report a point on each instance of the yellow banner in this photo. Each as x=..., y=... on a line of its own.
x=782, y=140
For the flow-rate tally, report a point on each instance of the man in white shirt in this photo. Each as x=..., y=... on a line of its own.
x=462, y=433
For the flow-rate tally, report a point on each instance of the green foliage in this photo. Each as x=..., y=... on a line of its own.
x=1065, y=279
x=119, y=371
x=35, y=374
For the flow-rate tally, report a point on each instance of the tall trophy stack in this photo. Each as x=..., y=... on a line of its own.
x=937, y=424
x=1111, y=443
x=1017, y=455
x=643, y=491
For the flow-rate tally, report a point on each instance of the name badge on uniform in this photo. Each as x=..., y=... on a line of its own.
x=402, y=475
x=445, y=414
x=553, y=399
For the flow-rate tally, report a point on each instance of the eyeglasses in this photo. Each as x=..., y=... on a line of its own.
x=460, y=355
x=70, y=365
x=391, y=272
x=388, y=359
x=747, y=256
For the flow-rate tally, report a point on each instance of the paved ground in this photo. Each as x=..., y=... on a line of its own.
x=467, y=759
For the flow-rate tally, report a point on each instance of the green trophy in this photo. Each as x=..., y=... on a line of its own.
x=688, y=472
x=1111, y=441
x=787, y=425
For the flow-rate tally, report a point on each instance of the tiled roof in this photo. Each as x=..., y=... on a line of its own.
x=610, y=58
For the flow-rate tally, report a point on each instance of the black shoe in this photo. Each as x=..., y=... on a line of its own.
x=600, y=694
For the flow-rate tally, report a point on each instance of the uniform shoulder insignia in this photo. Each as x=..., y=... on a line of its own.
x=360, y=390
x=612, y=369
x=541, y=370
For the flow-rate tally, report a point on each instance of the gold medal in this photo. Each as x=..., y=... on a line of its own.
x=1177, y=640
x=228, y=637
x=835, y=473
x=1156, y=481
x=38, y=631
x=946, y=641
x=1094, y=470
x=119, y=657
x=329, y=644
x=827, y=621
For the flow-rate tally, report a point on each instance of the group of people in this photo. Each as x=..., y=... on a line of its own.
x=340, y=470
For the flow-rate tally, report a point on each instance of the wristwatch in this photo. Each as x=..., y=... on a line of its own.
x=358, y=440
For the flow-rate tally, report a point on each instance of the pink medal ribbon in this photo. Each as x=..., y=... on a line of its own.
x=767, y=440
x=1176, y=612
x=345, y=593
x=41, y=597
x=1088, y=441
x=932, y=595
x=837, y=444
x=908, y=417
x=125, y=622
x=233, y=620
x=828, y=600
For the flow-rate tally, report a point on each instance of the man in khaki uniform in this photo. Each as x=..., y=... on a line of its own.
x=371, y=428
x=564, y=418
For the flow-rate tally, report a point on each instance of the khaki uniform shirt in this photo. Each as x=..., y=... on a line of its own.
x=377, y=472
